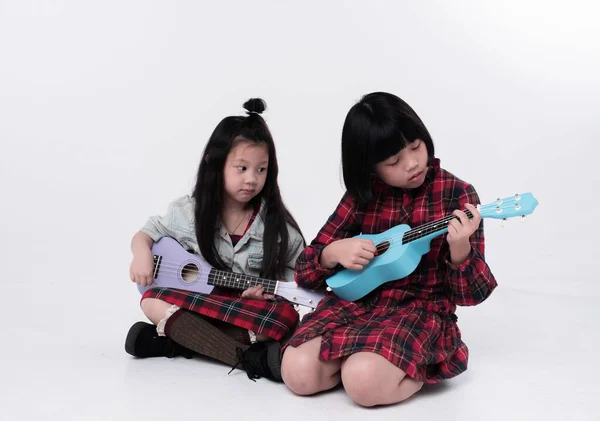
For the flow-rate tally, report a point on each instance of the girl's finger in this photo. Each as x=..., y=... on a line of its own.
x=476, y=214
x=453, y=227
x=473, y=209
x=366, y=255
x=369, y=246
x=361, y=261
x=463, y=218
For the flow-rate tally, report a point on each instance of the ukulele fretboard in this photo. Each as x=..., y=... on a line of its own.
x=234, y=280
x=435, y=227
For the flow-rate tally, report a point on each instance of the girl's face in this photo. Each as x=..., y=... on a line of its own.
x=407, y=169
x=245, y=171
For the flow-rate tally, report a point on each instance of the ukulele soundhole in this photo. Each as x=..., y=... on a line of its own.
x=382, y=247
x=189, y=273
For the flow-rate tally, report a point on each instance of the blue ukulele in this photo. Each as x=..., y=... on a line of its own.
x=400, y=248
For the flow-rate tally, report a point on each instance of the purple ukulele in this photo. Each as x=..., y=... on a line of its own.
x=174, y=267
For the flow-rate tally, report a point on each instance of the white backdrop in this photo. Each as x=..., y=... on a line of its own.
x=106, y=106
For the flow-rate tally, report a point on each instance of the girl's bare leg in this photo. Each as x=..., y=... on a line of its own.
x=304, y=373
x=370, y=379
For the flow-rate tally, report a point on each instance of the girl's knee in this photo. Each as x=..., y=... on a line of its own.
x=154, y=309
x=366, y=390
x=371, y=380
x=362, y=385
x=148, y=304
x=300, y=371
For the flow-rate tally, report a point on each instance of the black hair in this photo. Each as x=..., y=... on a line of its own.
x=377, y=127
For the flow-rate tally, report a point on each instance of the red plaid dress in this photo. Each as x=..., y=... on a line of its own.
x=410, y=321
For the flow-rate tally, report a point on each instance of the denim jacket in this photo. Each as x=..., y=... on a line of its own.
x=247, y=255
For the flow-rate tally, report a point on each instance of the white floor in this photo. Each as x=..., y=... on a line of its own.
x=532, y=357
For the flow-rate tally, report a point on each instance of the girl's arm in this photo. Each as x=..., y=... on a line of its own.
x=140, y=270
x=141, y=243
x=311, y=270
x=471, y=281
x=177, y=222
x=296, y=248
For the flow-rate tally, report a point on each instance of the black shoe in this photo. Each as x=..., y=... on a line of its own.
x=261, y=359
x=143, y=342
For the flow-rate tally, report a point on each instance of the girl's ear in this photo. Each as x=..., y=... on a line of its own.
x=206, y=158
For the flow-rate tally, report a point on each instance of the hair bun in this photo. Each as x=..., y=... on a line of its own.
x=255, y=105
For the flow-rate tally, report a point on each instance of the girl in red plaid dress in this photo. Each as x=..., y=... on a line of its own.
x=235, y=220
x=384, y=346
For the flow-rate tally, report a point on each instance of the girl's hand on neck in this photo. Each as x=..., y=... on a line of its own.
x=256, y=293
x=459, y=232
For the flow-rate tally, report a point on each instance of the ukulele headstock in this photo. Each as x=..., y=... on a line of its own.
x=304, y=297
x=509, y=207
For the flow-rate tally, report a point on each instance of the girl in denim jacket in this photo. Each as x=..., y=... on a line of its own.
x=236, y=220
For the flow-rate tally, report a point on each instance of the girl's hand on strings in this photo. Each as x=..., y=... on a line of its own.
x=459, y=232
x=141, y=268
x=256, y=293
x=352, y=253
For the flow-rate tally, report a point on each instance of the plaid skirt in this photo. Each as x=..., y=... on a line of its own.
x=425, y=344
x=273, y=318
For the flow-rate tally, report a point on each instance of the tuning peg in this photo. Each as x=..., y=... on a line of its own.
x=503, y=223
x=523, y=218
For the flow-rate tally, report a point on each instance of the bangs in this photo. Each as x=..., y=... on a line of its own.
x=388, y=138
